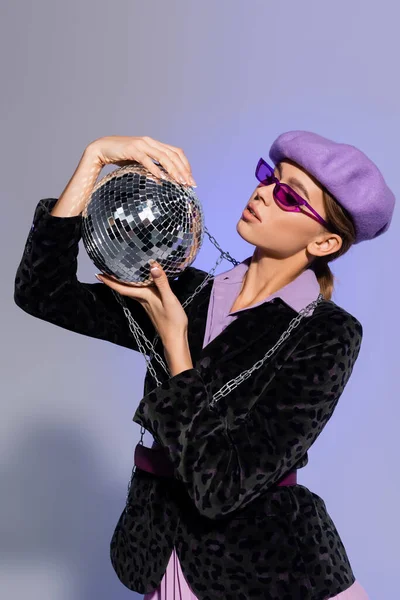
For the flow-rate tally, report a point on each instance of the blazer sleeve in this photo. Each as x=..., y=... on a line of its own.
x=224, y=468
x=46, y=284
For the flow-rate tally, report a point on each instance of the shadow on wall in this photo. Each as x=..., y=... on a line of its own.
x=58, y=510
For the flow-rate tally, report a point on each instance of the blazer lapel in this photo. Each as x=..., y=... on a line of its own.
x=248, y=329
x=246, y=339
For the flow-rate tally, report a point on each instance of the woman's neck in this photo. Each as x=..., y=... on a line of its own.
x=267, y=275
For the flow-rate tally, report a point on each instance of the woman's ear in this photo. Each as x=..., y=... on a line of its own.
x=324, y=245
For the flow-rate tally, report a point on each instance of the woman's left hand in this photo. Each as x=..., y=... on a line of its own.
x=160, y=303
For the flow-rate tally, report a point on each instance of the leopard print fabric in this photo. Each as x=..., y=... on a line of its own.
x=237, y=534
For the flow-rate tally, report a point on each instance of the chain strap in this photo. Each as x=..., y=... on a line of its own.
x=139, y=335
x=222, y=252
x=234, y=383
x=138, y=332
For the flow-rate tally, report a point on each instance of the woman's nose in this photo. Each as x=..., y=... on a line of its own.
x=265, y=194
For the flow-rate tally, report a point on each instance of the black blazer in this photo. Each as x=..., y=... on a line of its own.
x=237, y=534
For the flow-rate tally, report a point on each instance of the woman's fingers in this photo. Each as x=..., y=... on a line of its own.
x=172, y=159
x=123, y=150
x=182, y=156
x=142, y=157
x=133, y=291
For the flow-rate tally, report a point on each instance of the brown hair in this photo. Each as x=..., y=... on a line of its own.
x=341, y=223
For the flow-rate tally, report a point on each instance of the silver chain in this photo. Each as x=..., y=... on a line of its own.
x=139, y=335
x=234, y=383
x=138, y=332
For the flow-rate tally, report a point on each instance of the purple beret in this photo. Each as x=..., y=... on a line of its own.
x=347, y=173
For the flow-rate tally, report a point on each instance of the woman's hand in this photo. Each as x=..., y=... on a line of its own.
x=166, y=314
x=122, y=150
x=160, y=303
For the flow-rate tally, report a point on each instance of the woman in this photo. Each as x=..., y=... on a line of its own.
x=225, y=500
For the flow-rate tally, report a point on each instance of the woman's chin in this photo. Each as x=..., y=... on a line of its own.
x=243, y=231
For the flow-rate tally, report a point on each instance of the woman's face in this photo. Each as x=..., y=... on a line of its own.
x=281, y=233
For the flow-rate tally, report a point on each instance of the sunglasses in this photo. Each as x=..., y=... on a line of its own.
x=283, y=194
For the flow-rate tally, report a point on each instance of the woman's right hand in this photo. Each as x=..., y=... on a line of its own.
x=123, y=149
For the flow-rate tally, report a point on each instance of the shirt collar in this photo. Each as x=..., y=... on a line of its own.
x=297, y=294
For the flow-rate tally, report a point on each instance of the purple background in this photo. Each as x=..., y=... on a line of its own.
x=221, y=80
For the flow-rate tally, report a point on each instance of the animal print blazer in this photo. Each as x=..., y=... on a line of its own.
x=237, y=534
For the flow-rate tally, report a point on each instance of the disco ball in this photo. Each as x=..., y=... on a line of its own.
x=132, y=216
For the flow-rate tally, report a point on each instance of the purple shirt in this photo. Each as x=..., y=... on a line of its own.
x=297, y=294
x=226, y=287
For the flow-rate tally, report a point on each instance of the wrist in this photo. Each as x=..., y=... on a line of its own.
x=176, y=343
x=92, y=154
x=177, y=355
x=72, y=200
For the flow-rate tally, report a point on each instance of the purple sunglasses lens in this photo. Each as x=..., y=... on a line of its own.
x=285, y=198
x=263, y=172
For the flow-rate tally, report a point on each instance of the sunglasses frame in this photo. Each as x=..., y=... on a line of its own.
x=278, y=185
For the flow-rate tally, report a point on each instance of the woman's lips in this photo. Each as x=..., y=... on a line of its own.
x=248, y=216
